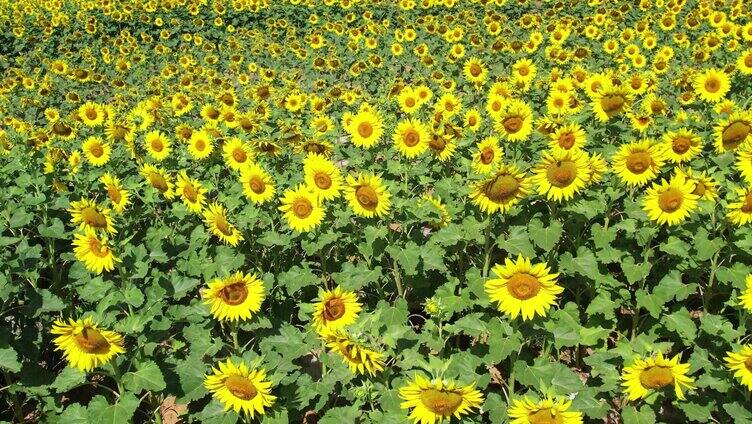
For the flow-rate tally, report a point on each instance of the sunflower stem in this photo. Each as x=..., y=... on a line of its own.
x=488, y=247
x=397, y=278
x=234, y=331
x=117, y=377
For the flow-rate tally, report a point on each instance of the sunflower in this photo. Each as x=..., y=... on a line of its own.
x=237, y=153
x=682, y=145
x=159, y=179
x=711, y=85
x=119, y=130
x=741, y=363
x=740, y=211
x=645, y=376
x=745, y=298
x=515, y=123
x=84, y=344
x=91, y=114
x=258, y=185
x=88, y=215
x=568, y=137
x=97, y=151
x=216, y=219
x=411, y=138
x=302, y=208
x=365, y=128
x=367, y=195
x=473, y=120
x=191, y=192
x=359, y=358
x=200, y=144
x=733, y=132
x=501, y=191
x=524, y=71
x=157, y=144
x=448, y=105
x=609, y=101
x=638, y=163
x=488, y=155
x=119, y=197
x=239, y=388
x=744, y=62
x=322, y=176
x=335, y=309
x=236, y=297
x=522, y=288
x=437, y=400
x=475, y=71
x=442, y=146
x=561, y=174
x=93, y=252
x=408, y=100
x=704, y=186
x=670, y=202
x=553, y=411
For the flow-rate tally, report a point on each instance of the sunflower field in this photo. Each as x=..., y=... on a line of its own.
x=375, y=211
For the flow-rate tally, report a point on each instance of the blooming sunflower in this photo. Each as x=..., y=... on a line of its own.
x=682, y=145
x=524, y=71
x=93, y=252
x=157, y=144
x=335, y=309
x=568, y=137
x=237, y=154
x=741, y=363
x=670, y=202
x=645, y=376
x=522, y=288
x=733, y=131
x=609, y=101
x=200, y=144
x=84, y=345
x=191, y=192
x=119, y=197
x=359, y=358
x=711, y=85
x=88, y=215
x=475, y=71
x=322, y=176
x=744, y=162
x=637, y=163
x=561, y=174
x=473, y=120
x=488, y=155
x=239, y=388
x=91, y=114
x=553, y=411
x=501, y=191
x=442, y=146
x=258, y=185
x=515, y=123
x=411, y=138
x=408, y=100
x=216, y=219
x=740, y=211
x=367, y=195
x=302, y=208
x=96, y=150
x=704, y=186
x=236, y=297
x=444, y=217
x=437, y=400
x=365, y=128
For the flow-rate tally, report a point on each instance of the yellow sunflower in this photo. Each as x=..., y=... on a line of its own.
x=365, y=129
x=159, y=179
x=119, y=196
x=522, y=288
x=408, y=100
x=93, y=252
x=741, y=364
x=711, y=85
x=437, y=400
x=670, y=202
x=515, y=122
x=444, y=217
x=610, y=100
x=96, y=150
x=359, y=358
x=681, y=145
x=322, y=176
x=157, y=144
x=200, y=144
x=236, y=297
x=87, y=214
x=549, y=411
x=501, y=191
x=638, y=163
x=302, y=208
x=192, y=193
x=740, y=211
x=216, y=219
x=335, y=309
x=568, y=137
x=91, y=114
x=411, y=138
x=488, y=155
x=704, y=186
x=237, y=153
x=475, y=71
x=258, y=185
x=733, y=131
x=561, y=174
x=367, y=195
x=84, y=345
x=744, y=162
x=651, y=374
x=239, y=388
x=442, y=146
x=524, y=71
x=473, y=120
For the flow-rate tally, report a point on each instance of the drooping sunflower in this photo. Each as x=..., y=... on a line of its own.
x=236, y=297
x=84, y=345
x=561, y=174
x=651, y=374
x=239, y=388
x=704, y=186
x=322, y=176
x=548, y=410
x=682, y=145
x=568, y=137
x=670, y=202
x=733, y=132
x=367, y=195
x=302, y=208
x=258, y=185
x=437, y=400
x=411, y=138
x=88, y=215
x=335, y=309
x=200, y=145
x=711, y=85
x=740, y=363
x=365, y=129
x=93, y=252
x=237, y=154
x=358, y=357
x=157, y=144
x=488, y=155
x=515, y=122
x=216, y=219
x=91, y=114
x=444, y=217
x=522, y=288
x=637, y=163
x=96, y=150
x=740, y=211
x=501, y=191
x=119, y=196
x=192, y=193
x=610, y=100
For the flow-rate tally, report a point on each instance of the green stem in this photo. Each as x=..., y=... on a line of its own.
x=397, y=278
x=235, y=344
x=488, y=248
x=116, y=375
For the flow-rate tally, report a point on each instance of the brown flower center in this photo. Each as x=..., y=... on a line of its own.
x=234, y=294
x=91, y=114
x=561, y=173
x=97, y=150
x=748, y=61
x=241, y=387
x=239, y=155
x=734, y=134
x=97, y=248
x=200, y=144
x=612, y=103
x=437, y=143
x=712, y=85
x=670, y=200
x=523, y=286
x=411, y=138
x=365, y=129
x=441, y=402
x=700, y=189
x=114, y=194
x=638, y=162
x=190, y=193
x=409, y=102
x=475, y=69
x=322, y=180
x=656, y=377
x=93, y=218
x=92, y=341
x=513, y=124
x=302, y=207
x=157, y=181
x=545, y=416
x=334, y=309
x=257, y=185
x=367, y=197
x=502, y=188
x=567, y=140
x=681, y=144
x=747, y=206
x=748, y=364
x=222, y=225
x=156, y=144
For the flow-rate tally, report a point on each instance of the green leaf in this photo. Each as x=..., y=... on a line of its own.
x=68, y=378
x=546, y=236
x=631, y=415
x=517, y=242
x=297, y=278
x=433, y=256
x=101, y=412
x=147, y=376
x=407, y=257
x=9, y=359
x=681, y=323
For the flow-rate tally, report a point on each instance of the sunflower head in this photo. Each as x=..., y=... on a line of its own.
x=236, y=297
x=84, y=344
